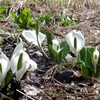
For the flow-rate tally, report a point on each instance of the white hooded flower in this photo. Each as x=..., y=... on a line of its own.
x=95, y=58
x=26, y=61
x=75, y=40
x=30, y=36
x=56, y=45
x=4, y=64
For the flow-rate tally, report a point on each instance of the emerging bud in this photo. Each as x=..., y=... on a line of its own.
x=95, y=58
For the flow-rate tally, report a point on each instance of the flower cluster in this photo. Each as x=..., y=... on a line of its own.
x=75, y=42
x=19, y=63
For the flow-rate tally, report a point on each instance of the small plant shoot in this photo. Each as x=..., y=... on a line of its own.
x=24, y=19
x=2, y=10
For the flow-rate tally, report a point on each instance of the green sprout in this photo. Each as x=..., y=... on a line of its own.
x=24, y=19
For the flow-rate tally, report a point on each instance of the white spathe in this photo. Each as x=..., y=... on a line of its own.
x=95, y=58
x=69, y=58
x=30, y=36
x=26, y=61
x=56, y=45
x=79, y=38
x=4, y=61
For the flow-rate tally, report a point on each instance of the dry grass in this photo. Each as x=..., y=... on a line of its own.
x=94, y=3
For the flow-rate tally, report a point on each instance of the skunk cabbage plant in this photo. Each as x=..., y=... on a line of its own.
x=57, y=50
x=20, y=61
x=89, y=61
x=36, y=38
x=56, y=45
x=75, y=40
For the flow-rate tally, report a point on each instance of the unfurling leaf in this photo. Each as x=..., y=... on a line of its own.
x=2, y=9
x=8, y=77
x=13, y=15
x=65, y=50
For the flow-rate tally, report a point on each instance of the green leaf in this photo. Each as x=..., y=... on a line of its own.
x=63, y=53
x=69, y=20
x=78, y=21
x=65, y=50
x=63, y=21
x=59, y=56
x=26, y=10
x=47, y=17
x=86, y=54
x=24, y=19
x=49, y=38
x=0, y=68
x=80, y=62
x=1, y=17
x=71, y=17
x=20, y=62
x=49, y=42
x=2, y=9
x=13, y=15
x=90, y=51
x=97, y=74
x=8, y=77
x=86, y=71
x=83, y=54
x=52, y=52
x=86, y=57
x=70, y=23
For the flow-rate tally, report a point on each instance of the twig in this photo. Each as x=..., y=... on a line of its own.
x=51, y=69
x=49, y=98
x=60, y=83
x=48, y=72
x=25, y=94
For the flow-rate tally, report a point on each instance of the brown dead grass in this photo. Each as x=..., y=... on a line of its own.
x=86, y=10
